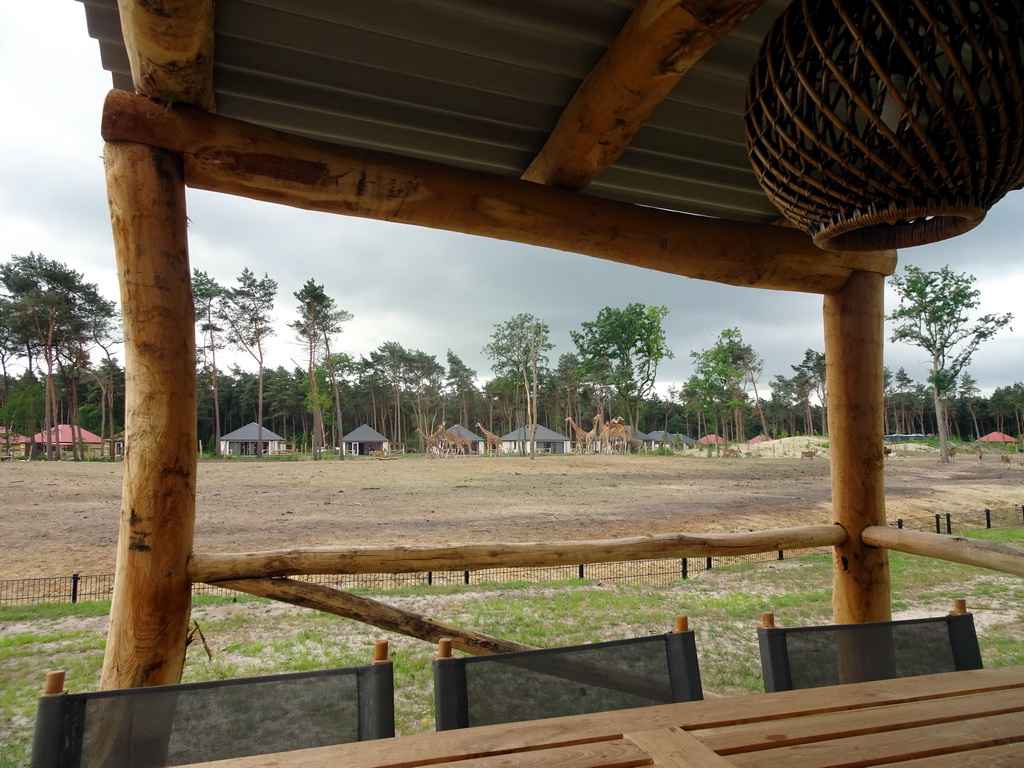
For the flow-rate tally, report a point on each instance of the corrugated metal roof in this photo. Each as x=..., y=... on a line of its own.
x=476, y=84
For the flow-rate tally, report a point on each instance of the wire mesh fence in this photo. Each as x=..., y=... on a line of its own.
x=660, y=572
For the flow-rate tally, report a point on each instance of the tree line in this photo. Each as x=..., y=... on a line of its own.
x=58, y=336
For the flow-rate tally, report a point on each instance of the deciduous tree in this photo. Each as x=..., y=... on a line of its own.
x=518, y=348
x=623, y=348
x=934, y=314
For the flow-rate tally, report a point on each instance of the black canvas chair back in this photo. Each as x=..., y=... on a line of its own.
x=810, y=657
x=177, y=724
x=530, y=685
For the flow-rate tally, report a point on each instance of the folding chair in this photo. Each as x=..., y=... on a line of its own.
x=810, y=657
x=529, y=685
x=170, y=725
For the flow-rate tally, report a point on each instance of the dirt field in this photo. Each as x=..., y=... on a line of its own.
x=61, y=518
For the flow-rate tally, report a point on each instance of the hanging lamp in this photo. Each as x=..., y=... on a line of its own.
x=875, y=124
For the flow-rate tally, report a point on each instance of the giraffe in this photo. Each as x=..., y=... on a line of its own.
x=456, y=444
x=581, y=436
x=445, y=447
x=584, y=440
x=618, y=439
x=433, y=443
x=493, y=441
x=610, y=435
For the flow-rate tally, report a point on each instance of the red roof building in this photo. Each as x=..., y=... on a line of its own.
x=64, y=435
x=997, y=437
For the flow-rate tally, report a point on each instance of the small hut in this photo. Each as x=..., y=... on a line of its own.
x=548, y=441
x=662, y=439
x=243, y=442
x=364, y=440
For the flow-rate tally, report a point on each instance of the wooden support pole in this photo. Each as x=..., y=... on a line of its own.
x=995, y=555
x=853, y=369
x=234, y=157
x=660, y=42
x=473, y=557
x=170, y=49
x=152, y=592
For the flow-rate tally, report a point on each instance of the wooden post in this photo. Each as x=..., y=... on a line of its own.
x=853, y=357
x=152, y=592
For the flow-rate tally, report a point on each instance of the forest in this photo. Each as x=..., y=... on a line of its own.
x=59, y=340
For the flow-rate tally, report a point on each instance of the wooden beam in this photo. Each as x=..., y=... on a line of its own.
x=853, y=368
x=170, y=49
x=660, y=42
x=152, y=593
x=475, y=557
x=994, y=555
x=239, y=158
x=377, y=614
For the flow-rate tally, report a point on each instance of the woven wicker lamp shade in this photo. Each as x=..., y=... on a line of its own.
x=877, y=124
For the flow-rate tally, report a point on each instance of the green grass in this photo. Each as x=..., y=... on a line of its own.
x=250, y=636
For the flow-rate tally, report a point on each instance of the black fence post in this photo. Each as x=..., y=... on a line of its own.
x=899, y=522
x=988, y=518
x=938, y=523
x=685, y=574
x=466, y=576
x=709, y=564
x=74, y=587
x=581, y=570
x=430, y=577
x=949, y=523
x=782, y=555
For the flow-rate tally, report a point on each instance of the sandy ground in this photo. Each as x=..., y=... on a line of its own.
x=61, y=518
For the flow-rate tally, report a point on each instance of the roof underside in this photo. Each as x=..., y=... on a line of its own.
x=477, y=84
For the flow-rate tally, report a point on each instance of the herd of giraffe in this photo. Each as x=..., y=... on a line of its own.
x=442, y=443
x=605, y=437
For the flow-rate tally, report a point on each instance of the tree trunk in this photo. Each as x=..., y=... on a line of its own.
x=216, y=396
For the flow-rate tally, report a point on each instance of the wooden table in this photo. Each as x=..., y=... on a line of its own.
x=950, y=720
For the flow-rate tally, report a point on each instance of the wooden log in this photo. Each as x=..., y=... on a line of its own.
x=206, y=567
x=373, y=612
x=660, y=42
x=239, y=158
x=170, y=49
x=152, y=592
x=853, y=368
x=996, y=556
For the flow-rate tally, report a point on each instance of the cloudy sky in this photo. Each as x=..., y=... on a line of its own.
x=425, y=289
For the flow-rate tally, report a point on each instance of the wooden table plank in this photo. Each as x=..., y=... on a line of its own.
x=675, y=748
x=820, y=727
x=619, y=753
x=1004, y=756
x=892, y=746
x=431, y=748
